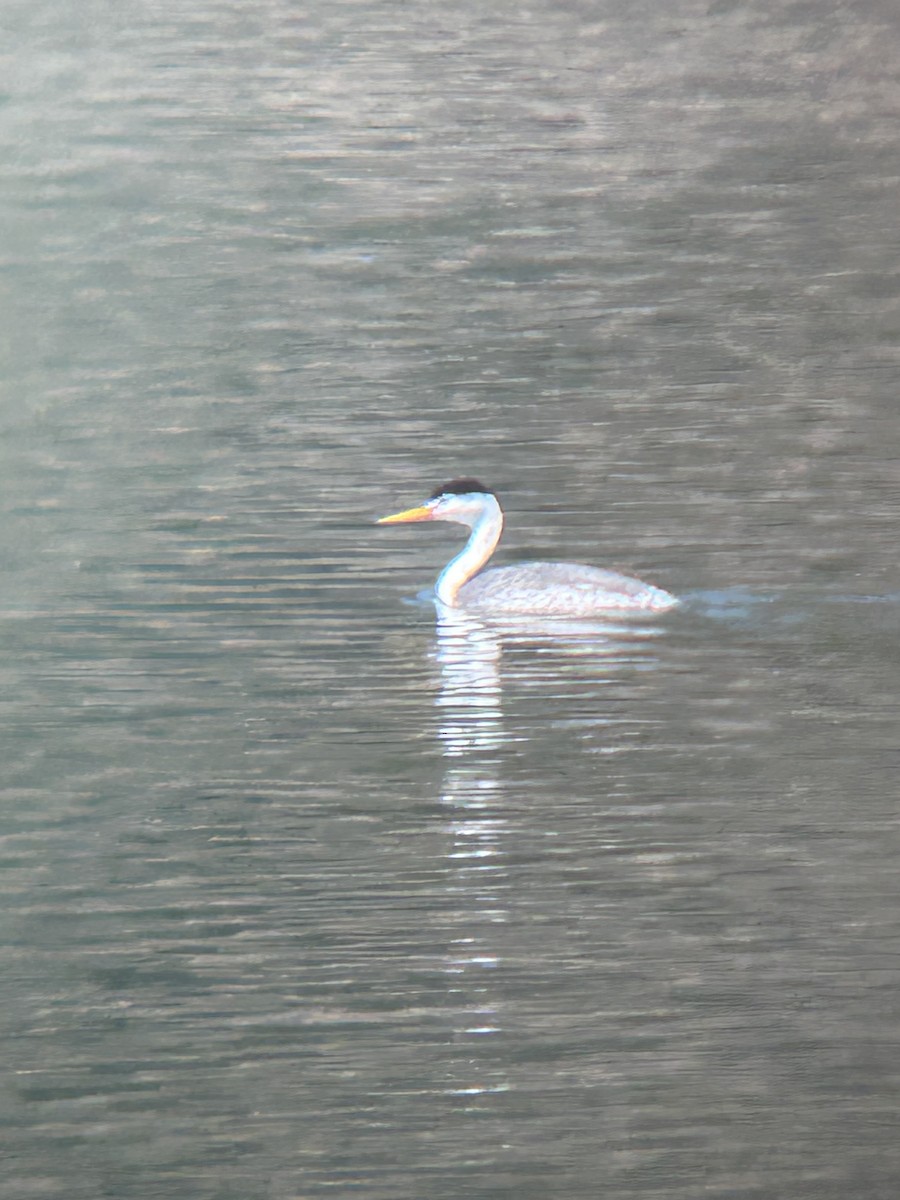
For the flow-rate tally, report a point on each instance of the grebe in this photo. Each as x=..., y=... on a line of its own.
x=547, y=588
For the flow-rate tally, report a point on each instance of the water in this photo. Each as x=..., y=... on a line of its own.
x=302, y=894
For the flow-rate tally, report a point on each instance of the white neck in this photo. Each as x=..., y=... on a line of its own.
x=483, y=539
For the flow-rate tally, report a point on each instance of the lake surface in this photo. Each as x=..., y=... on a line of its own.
x=305, y=893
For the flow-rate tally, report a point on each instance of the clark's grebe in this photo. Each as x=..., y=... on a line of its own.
x=548, y=588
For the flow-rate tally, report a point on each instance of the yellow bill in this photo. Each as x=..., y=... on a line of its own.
x=421, y=513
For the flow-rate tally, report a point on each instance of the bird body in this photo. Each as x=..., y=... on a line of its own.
x=548, y=588
x=541, y=588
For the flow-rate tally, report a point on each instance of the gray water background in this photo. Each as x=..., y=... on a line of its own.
x=301, y=896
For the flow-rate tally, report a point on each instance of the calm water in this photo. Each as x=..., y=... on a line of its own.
x=302, y=895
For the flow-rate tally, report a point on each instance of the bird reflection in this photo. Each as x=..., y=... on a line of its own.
x=475, y=659
x=470, y=652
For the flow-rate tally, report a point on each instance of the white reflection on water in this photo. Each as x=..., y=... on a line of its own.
x=470, y=653
x=475, y=660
